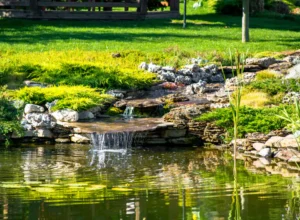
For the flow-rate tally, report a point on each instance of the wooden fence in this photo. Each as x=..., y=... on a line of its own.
x=84, y=10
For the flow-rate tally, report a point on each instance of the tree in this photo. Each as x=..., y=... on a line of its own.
x=245, y=22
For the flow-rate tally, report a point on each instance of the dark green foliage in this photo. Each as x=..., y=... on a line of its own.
x=8, y=117
x=251, y=120
x=275, y=86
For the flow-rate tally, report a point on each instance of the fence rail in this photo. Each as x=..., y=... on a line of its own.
x=70, y=9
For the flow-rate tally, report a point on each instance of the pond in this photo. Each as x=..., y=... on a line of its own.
x=75, y=182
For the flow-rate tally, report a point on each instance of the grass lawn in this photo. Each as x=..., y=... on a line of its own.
x=206, y=31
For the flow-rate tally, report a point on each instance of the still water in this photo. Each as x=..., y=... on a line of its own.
x=73, y=182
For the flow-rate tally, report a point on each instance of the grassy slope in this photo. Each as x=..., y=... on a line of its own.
x=205, y=32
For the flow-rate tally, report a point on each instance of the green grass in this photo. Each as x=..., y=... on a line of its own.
x=205, y=32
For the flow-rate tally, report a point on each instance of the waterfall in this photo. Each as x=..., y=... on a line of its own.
x=128, y=113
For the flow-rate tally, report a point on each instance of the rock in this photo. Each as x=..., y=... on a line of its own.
x=62, y=140
x=284, y=154
x=176, y=97
x=196, y=88
x=247, y=68
x=143, y=66
x=116, y=55
x=263, y=62
x=185, y=72
x=258, y=164
x=153, y=68
x=293, y=73
x=50, y=105
x=289, y=141
x=211, y=69
x=184, y=80
x=77, y=130
x=258, y=146
x=274, y=141
x=30, y=83
x=192, y=67
x=43, y=133
x=216, y=78
x=294, y=159
x=119, y=94
x=40, y=120
x=281, y=67
x=265, y=152
x=183, y=141
x=28, y=127
x=30, y=108
x=155, y=141
x=196, y=76
x=66, y=115
x=86, y=115
x=219, y=105
x=167, y=76
x=168, y=69
x=77, y=138
x=174, y=133
x=290, y=97
x=264, y=161
x=294, y=60
x=97, y=111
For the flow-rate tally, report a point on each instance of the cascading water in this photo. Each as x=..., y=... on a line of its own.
x=113, y=145
x=128, y=113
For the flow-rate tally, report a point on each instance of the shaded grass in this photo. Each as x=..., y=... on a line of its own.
x=205, y=31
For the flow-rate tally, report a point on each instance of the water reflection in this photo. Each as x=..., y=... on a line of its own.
x=70, y=181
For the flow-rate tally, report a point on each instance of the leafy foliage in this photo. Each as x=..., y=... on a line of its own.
x=114, y=111
x=77, y=98
x=251, y=120
x=8, y=117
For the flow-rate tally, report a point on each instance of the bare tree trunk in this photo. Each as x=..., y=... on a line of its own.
x=245, y=22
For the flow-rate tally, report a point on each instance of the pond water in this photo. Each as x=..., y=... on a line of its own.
x=73, y=182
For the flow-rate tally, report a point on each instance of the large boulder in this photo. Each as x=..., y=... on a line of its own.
x=186, y=80
x=167, y=76
x=30, y=108
x=196, y=88
x=66, y=115
x=86, y=115
x=78, y=138
x=153, y=68
x=38, y=120
x=294, y=72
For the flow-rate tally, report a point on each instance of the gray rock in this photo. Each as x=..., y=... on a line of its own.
x=40, y=120
x=266, y=152
x=185, y=72
x=30, y=83
x=174, y=133
x=143, y=66
x=219, y=105
x=196, y=88
x=294, y=72
x=292, y=59
x=153, y=68
x=290, y=97
x=289, y=141
x=119, y=94
x=262, y=62
x=192, y=67
x=66, y=115
x=30, y=108
x=86, y=115
x=50, y=105
x=167, y=76
x=184, y=80
x=216, y=78
x=274, y=141
x=168, y=69
x=196, y=76
x=211, y=69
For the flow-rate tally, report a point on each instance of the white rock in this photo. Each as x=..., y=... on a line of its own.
x=77, y=138
x=30, y=108
x=86, y=115
x=264, y=161
x=62, y=140
x=143, y=66
x=66, y=115
x=289, y=141
x=266, y=152
x=258, y=146
x=294, y=72
x=153, y=68
x=294, y=159
x=168, y=69
x=258, y=164
x=39, y=120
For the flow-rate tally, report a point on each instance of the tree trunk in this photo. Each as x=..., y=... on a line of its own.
x=245, y=22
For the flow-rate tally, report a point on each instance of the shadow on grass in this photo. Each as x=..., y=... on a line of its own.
x=14, y=31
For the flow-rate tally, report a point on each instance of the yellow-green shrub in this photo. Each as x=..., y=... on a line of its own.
x=266, y=74
x=73, y=97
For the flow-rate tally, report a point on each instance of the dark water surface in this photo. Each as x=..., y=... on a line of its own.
x=72, y=182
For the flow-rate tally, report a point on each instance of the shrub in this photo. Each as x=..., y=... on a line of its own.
x=280, y=7
x=114, y=111
x=275, y=86
x=251, y=120
x=77, y=98
x=266, y=74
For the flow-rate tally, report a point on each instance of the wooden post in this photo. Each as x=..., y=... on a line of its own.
x=144, y=7
x=33, y=5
